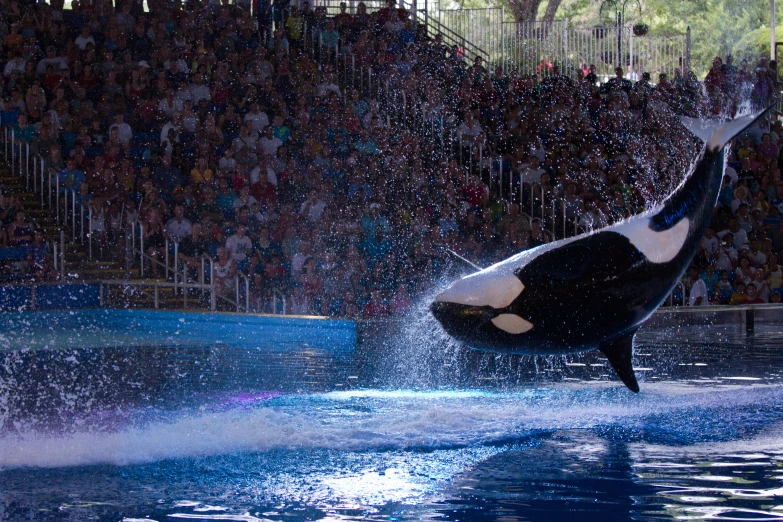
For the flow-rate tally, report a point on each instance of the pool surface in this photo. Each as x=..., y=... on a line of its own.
x=129, y=416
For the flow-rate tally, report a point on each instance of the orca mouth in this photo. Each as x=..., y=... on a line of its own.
x=461, y=321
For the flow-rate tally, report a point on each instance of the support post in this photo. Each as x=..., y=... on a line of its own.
x=503, y=37
x=772, y=34
x=62, y=253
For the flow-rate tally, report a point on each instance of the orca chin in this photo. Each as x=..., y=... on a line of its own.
x=463, y=322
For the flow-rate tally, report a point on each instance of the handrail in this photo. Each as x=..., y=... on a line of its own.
x=213, y=296
x=241, y=277
x=157, y=285
x=143, y=255
x=62, y=252
x=670, y=297
x=72, y=192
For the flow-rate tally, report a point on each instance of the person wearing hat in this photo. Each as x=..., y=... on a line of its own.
x=373, y=219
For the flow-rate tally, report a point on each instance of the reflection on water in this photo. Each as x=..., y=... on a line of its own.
x=238, y=433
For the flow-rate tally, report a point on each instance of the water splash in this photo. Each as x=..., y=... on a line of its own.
x=406, y=420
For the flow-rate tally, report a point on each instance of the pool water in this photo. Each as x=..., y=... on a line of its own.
x=137, y=428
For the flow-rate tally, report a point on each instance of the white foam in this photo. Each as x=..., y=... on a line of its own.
x=386, y=420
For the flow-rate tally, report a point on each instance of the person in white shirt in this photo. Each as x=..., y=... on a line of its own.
x=263, y=166
x=84, y=38
x=245, y=146
x=178, y=227
x=258, y=117
x=14, y=65
x=469, y=129
x=269, y=143
x=244, y=199
x=227, y=163
x=313, y=207
x=169, y=105
x=373, y=114
x=175, y=65
x=757, y=258
x=710, y=241
x=300, y=258
x=199, y=91
x=52, y=59
x=175, y=124
x=328, y=87
x=239, y=245
x=123, y=129
x=530, y=173
x=726, y=256
x=740, y=236
x=698, y=295
x=593, y=218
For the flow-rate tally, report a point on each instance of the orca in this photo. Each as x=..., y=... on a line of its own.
x=593, y=290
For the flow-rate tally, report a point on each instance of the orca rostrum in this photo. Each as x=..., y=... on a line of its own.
x=593, y=290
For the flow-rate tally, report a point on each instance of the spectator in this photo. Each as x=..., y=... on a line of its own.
x=239, y=247
x=698, y=295
x=178, y=227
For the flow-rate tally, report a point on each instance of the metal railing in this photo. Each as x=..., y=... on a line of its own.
x=177, y=273
x=151, y=289
x=532, y=47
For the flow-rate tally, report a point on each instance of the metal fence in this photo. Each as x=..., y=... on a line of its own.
x=537, y=47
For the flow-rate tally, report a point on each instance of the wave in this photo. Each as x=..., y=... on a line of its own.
x=373, y=420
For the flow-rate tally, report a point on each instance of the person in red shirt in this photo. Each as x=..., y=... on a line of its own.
x=752, y=296
x=376, y=306
x=264, y=192
x=475, y=192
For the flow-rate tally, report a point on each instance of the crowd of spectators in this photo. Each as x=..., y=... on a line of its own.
x=209, y=128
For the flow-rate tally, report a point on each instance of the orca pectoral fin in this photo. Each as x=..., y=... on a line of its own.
x=619, y=351
x=461, y=259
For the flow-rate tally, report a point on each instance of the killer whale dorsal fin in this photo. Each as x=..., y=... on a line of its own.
x=716, y=134
x=619, y=351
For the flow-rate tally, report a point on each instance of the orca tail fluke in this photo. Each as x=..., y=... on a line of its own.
x=716, y=134
x=619, y=351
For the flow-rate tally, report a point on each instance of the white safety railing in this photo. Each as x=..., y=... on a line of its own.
x=680, y=286
x=151, y=289
x=179, y=273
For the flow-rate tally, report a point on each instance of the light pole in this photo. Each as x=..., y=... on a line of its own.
x=772, y=36
x=619, y=8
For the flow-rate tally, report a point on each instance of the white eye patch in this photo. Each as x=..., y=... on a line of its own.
x=658, y=247
x=483, y=289
x=512, y=323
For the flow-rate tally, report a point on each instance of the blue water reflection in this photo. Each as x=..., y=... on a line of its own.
x=703, y=440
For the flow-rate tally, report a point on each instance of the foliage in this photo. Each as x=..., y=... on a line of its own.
x=718, y=27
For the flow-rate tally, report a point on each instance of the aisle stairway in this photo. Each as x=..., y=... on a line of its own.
x=77, y=264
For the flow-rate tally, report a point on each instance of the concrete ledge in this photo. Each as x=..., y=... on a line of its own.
x=375, y=330
x=704, y=315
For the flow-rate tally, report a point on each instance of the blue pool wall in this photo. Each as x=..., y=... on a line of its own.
x=49, y=296
x=90, y=327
